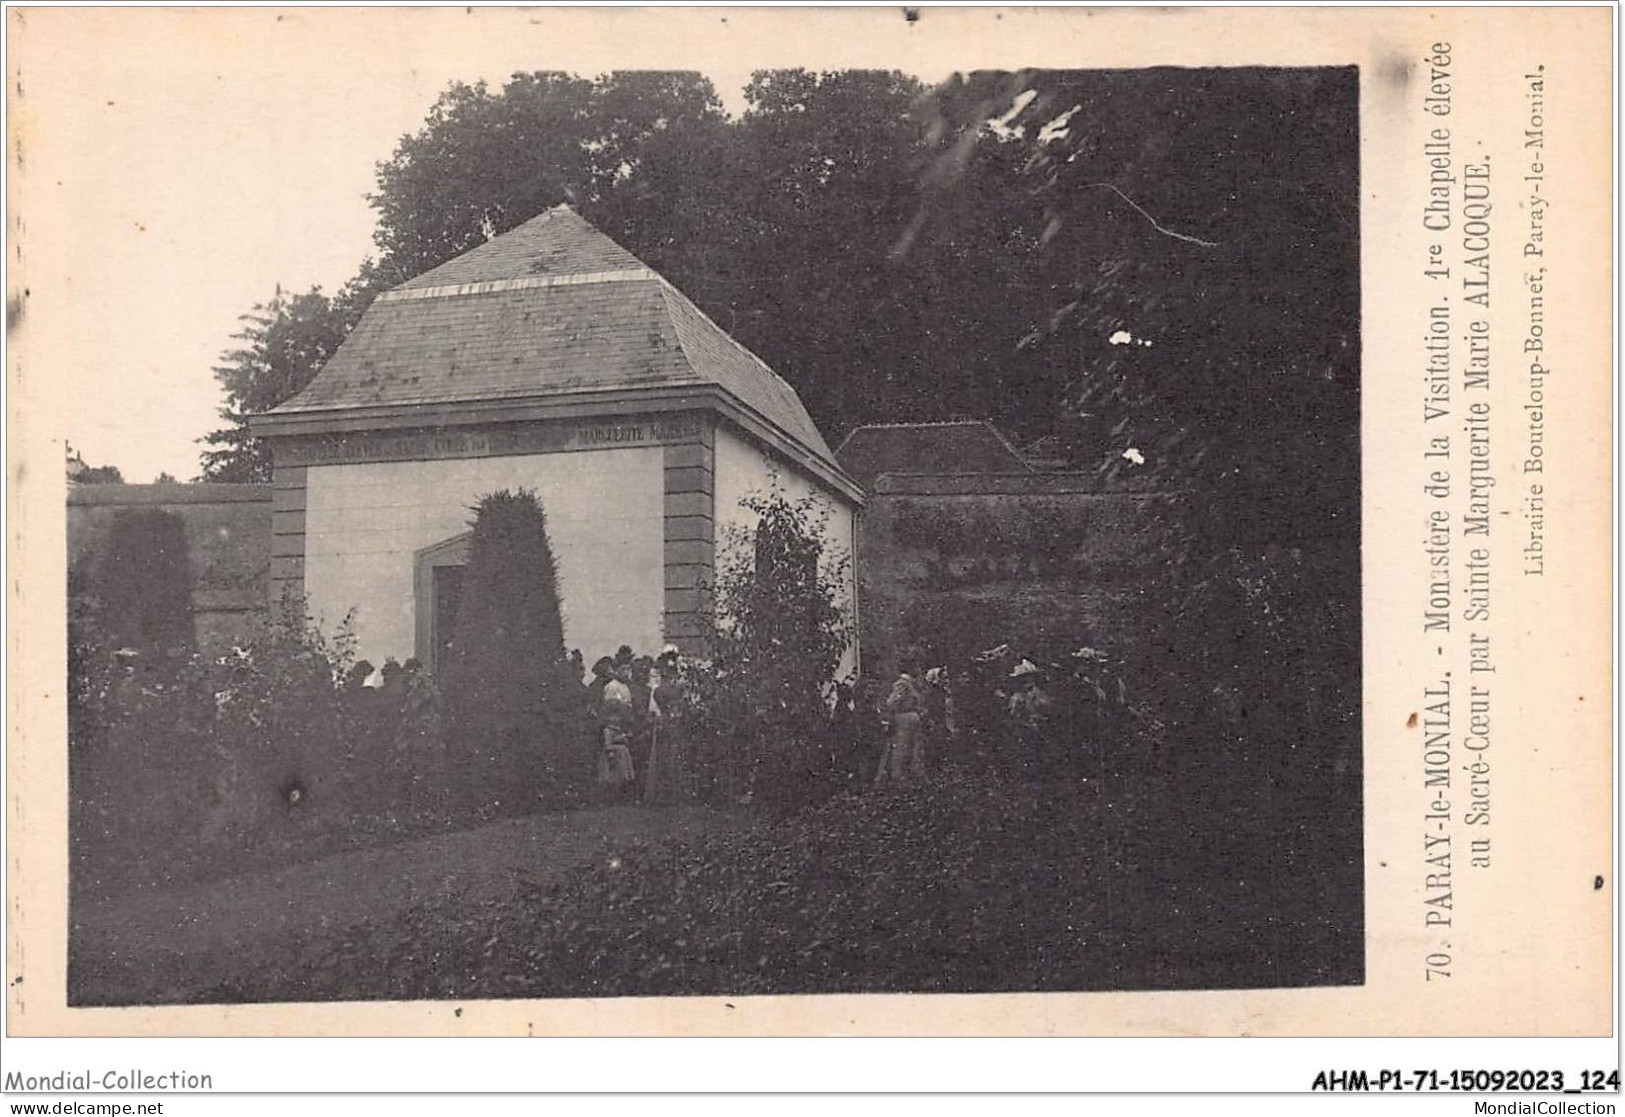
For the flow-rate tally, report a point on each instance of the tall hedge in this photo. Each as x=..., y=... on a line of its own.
x=510, y=698
x=143, y=582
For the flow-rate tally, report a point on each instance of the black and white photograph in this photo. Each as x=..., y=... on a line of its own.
x=622, y=533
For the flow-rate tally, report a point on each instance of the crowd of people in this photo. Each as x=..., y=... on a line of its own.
x=398, y=697
x=632, y=734
x=636, y=714
x=1041, y=722
x=1030, y=720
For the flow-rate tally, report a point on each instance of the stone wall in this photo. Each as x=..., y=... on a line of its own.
x=960, y=563
x=228, y=535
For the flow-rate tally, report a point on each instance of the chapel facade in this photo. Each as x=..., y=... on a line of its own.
x=551, y=359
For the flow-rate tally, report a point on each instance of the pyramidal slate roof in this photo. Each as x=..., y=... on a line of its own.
x=552, y=307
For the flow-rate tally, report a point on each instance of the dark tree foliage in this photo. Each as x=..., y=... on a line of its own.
x=510, y=697
x=486, y=161
x=142, y=583
x=285, y=342
x=1196, y=328
x=1197, y=239
x=898, y=252
x=815, y=180
x=101, y=475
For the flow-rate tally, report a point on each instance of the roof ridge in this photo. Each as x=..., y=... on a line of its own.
x=988, y=423
x=803, y=428
x=521, y=283
x=933, y=423
x=667, y=287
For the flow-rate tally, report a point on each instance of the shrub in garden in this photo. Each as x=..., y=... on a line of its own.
x=283, y=722
x=511, y=700
x=780, y=637
x=1254, y=669
x=185, y=767
x=134, y=594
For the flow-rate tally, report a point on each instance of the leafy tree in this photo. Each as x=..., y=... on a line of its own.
x=233, y=759
x=285, y=342
x=165, y=478
x=486, y=161
x=1199, y=250
x=777, y=225
x=143, y=583
x=1197, y=328
x=898, y=252
x=815, y=183
x=510, y=696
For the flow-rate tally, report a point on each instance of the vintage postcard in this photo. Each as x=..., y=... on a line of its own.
x=861, y=521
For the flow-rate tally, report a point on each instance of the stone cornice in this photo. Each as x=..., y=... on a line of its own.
x=380, y=420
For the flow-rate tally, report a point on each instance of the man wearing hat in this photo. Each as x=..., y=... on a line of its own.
x=1029, y=714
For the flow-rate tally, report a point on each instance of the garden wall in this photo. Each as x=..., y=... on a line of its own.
x=1042, y=561
x=228, y=535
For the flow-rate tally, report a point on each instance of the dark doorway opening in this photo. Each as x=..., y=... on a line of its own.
x=437, y=589
x=448, y=597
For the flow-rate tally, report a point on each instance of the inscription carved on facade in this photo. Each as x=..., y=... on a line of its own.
x=535, y=439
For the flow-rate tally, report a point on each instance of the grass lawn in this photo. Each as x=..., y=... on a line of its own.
x=963, y=885
x=196, y=942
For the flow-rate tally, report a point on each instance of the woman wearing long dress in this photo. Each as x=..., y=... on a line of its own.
x=665, y=777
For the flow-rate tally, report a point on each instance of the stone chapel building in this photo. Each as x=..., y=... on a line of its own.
x=548, y=358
